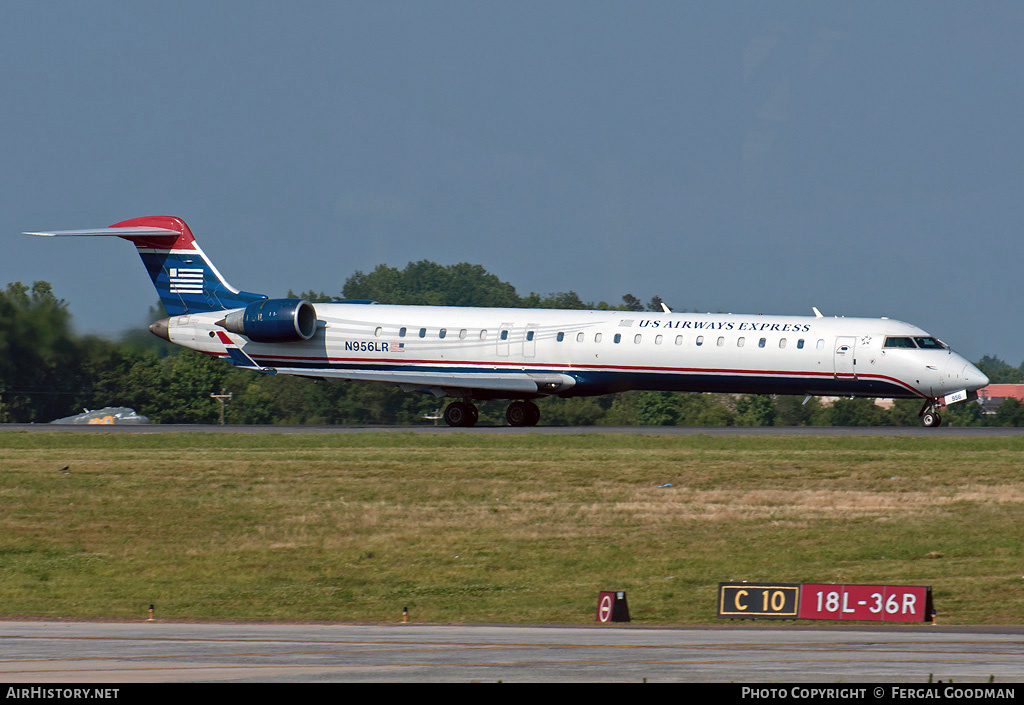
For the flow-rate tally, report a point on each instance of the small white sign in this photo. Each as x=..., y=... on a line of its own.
x=955, y=397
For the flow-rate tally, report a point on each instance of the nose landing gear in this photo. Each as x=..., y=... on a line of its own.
x=929, y=416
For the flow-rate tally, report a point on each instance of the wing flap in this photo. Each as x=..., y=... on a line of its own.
x=511, y=382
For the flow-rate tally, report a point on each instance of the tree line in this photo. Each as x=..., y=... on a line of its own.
x=47, y=372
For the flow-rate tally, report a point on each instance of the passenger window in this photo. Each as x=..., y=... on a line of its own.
x=462, y=333
x=579, y=337
x=740, y=341
x=504, y=335
x=560, y=337
x=597, y=337
x=618, y=338
x=423, y=332
x=721, y=341
x=378, y=331
x=637, y=338
x=657, y=340
x=679, y=340
x=700, y=340
x=821, y=345
x=483, y=335
x=529, y=335
x=761, y=342
x=800, y=344
x=442, y=333
x=782, y=342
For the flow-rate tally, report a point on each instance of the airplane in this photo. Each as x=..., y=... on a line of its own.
x=520, y=355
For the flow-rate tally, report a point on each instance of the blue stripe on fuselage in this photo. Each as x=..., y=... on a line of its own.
x=593, y=382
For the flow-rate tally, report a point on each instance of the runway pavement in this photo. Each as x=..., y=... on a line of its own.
x=921, y=432
x=85, y=652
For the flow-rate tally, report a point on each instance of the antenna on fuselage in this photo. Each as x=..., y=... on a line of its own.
x=817, y=313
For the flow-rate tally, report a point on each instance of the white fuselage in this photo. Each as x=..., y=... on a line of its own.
x=596, y=352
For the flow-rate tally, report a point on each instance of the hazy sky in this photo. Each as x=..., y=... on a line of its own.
x=756, y=157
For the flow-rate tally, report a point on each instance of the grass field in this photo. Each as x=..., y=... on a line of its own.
x=523, y=528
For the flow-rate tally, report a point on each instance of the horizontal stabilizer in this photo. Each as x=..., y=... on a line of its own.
x=111, y=232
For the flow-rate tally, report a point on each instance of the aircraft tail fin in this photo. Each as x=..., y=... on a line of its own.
x=185, y=278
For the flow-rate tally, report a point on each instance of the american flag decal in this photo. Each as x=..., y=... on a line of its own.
x=186, y=281
x=398, y=347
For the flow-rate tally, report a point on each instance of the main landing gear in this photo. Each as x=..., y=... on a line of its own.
x=929, y=416
x=464, y=413
x=461, y=413
x=522, y=413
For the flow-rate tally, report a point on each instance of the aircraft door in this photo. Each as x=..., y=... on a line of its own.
x=530, y=341
x=844, y=357
x=504, y=334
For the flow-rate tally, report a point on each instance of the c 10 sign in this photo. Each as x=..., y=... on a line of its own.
x=887, y=603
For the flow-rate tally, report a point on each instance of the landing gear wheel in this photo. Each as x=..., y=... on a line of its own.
x=522, y=413
x=929, y=414
x=460, y=413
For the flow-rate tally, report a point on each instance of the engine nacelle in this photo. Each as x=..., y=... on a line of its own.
x=273, y=321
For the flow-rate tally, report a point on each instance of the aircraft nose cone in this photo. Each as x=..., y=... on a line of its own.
x=159, y=329
x=958, y=373
x=973, y=378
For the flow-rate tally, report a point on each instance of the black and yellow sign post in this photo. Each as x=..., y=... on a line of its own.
x=758, y=600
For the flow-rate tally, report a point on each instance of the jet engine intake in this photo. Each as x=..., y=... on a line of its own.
x=273, y=321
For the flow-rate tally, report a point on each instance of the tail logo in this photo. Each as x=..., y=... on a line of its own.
x=186, y=281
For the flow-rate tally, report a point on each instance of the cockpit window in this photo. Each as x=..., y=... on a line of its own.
x=929, y=344
x=893, y=342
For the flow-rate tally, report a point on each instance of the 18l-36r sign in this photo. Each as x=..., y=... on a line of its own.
x=887, y=603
